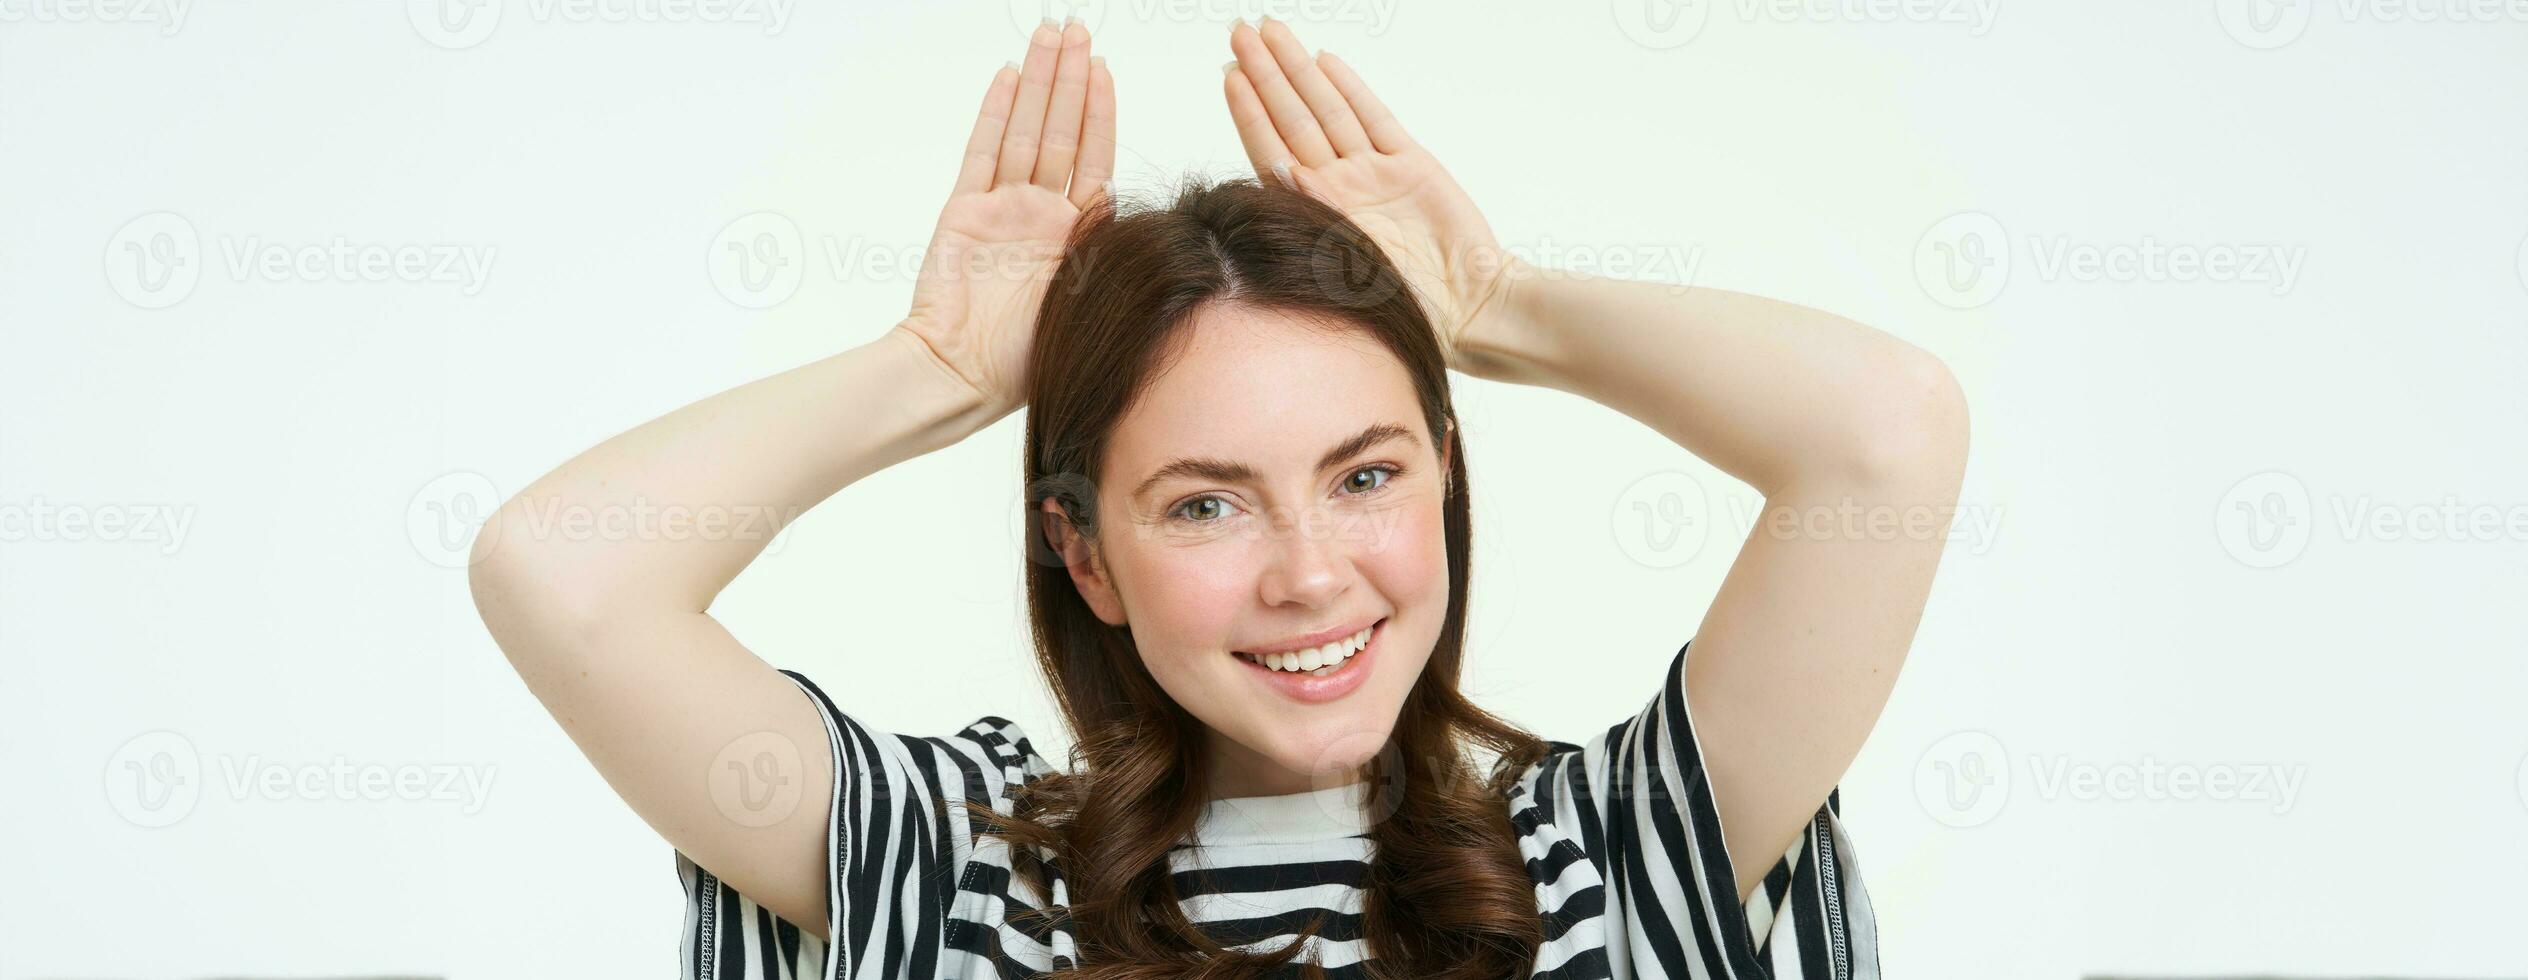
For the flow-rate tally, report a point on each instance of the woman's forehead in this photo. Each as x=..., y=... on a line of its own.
x=1263, y=385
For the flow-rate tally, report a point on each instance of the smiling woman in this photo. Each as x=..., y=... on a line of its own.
x=1247, y=587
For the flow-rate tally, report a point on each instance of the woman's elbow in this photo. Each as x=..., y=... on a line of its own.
x=1916, y=432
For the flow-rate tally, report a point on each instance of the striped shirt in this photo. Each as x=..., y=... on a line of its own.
x=1620, y=837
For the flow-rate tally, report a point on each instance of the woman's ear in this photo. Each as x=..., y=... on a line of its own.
x=1079, y=555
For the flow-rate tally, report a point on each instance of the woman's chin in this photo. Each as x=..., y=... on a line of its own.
x=1329, y=758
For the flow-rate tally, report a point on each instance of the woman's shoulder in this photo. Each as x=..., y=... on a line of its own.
x=1007, y=744
x=991, y=742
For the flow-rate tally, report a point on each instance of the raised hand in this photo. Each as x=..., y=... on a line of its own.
x=1041, y=155
x=1314, y=123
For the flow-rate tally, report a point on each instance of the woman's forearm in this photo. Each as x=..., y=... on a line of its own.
x=1770, y=392
x=663, y=516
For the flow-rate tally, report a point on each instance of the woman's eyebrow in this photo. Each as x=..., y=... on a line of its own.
x=1230, y=471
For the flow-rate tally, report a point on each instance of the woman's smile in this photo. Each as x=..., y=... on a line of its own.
x=1319, y=674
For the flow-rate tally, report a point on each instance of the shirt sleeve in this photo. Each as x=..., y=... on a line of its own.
x=1671, y=905
x=897, y=844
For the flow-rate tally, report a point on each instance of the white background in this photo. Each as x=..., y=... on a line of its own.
x=2120, y=593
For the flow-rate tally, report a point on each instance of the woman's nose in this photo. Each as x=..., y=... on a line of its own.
x=1309, y=566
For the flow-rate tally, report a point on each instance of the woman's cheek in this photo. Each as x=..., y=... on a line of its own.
x=1191, y=596
x=1410, y=552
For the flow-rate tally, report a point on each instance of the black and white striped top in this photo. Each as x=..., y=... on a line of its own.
x=1620, y=836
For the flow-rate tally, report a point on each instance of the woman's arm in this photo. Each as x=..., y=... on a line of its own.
x=1857, y=441
x=611, y=630
x=1841, y=427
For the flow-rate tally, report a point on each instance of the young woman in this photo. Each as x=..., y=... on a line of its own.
x=1248, y=591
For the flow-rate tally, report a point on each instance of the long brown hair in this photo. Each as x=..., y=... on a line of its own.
x=1447, y=895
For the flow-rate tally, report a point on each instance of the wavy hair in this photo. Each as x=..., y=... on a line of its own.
x=1447, y=895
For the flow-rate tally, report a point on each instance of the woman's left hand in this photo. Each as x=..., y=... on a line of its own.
x=1313, y=119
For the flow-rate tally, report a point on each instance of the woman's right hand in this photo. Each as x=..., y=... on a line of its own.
x=1041, y=155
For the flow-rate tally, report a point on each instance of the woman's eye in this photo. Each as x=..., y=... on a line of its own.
x=1191, y=507
x=1379, y=477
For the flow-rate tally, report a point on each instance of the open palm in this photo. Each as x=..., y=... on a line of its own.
x=1313, y=119
x=1042, y=151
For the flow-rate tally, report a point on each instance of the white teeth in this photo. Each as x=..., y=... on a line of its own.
x=1319, y=661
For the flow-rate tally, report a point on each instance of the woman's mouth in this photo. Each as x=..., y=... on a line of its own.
x=1321, y=673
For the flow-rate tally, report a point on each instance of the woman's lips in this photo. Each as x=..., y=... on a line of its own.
x=1308, y=688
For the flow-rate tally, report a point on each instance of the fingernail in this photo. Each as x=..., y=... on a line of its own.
x=1282, y=171
x=1097, y=61
x=1011, y=65
x=1231, y=68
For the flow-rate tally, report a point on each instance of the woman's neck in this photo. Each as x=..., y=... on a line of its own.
x=1238, y=771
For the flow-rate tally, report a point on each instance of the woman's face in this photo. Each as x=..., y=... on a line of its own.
x=1276, y=488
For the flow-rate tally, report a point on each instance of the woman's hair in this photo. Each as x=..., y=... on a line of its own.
x=1447, y=895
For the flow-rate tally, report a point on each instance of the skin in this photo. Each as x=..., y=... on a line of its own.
x=1791, y=665
x=1199, y=568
